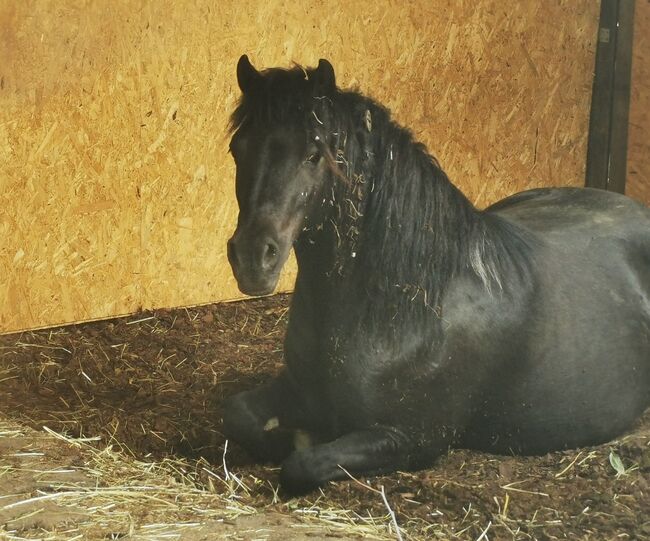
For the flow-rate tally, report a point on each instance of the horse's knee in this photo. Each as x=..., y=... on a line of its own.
x=301, y=473
x=308, y=468
x=366, y=452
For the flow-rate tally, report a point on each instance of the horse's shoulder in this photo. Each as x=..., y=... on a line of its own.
x=469, y=309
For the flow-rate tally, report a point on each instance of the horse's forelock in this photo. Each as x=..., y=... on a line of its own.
x=281, y=95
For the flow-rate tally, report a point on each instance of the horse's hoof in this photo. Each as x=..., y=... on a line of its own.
x=296, y=476
x=265, y=443
x=236, y=418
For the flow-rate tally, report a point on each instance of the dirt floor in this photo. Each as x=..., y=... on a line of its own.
x=133, y=449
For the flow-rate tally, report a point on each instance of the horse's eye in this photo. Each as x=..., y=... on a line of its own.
x=313, y=159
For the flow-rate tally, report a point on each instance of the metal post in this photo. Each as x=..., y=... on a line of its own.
x=610, y=100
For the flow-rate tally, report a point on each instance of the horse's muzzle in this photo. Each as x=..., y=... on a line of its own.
x=256, y=263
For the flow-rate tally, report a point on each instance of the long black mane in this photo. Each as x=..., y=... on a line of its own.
x=400, y=226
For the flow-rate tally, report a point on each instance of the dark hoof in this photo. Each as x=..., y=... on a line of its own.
x=297, y=476
x=241, y=425
x=234, y=417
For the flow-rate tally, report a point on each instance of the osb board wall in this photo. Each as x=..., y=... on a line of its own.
x=115, y=187
x=638, y=153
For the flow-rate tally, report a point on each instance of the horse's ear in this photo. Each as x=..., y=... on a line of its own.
x=323, y=78
x=247, y=75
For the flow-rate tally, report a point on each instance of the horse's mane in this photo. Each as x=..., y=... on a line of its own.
x=400, y=225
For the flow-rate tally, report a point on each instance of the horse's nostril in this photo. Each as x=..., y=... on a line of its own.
x=270, y=256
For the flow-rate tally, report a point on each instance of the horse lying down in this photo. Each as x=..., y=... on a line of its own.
x=419, y=323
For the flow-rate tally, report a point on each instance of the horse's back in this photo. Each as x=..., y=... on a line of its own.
x=584, y=371
x=586, y=237
x=548, y=210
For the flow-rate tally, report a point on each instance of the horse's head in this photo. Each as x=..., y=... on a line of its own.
x=282, y=166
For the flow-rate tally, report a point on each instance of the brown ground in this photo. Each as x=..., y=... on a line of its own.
x=151, y=385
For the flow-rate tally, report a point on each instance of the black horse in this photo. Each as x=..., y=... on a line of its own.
x=419, y=323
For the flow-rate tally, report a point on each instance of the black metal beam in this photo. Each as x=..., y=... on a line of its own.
x=610, y=100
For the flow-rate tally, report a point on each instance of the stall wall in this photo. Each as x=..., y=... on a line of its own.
x=638, y=154
x=116, y=191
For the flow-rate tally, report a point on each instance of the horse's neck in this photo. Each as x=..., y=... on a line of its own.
x=399, y=225
x=386, y=235
x=420, y=224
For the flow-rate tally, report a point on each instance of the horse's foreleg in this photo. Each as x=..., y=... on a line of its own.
x=265, y=420
x=367, y=452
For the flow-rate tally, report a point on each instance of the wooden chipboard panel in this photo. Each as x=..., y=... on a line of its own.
x=116, y=191
x=638, y=148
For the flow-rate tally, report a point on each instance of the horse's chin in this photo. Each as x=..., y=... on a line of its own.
x=255, y=276
x=258, y=288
